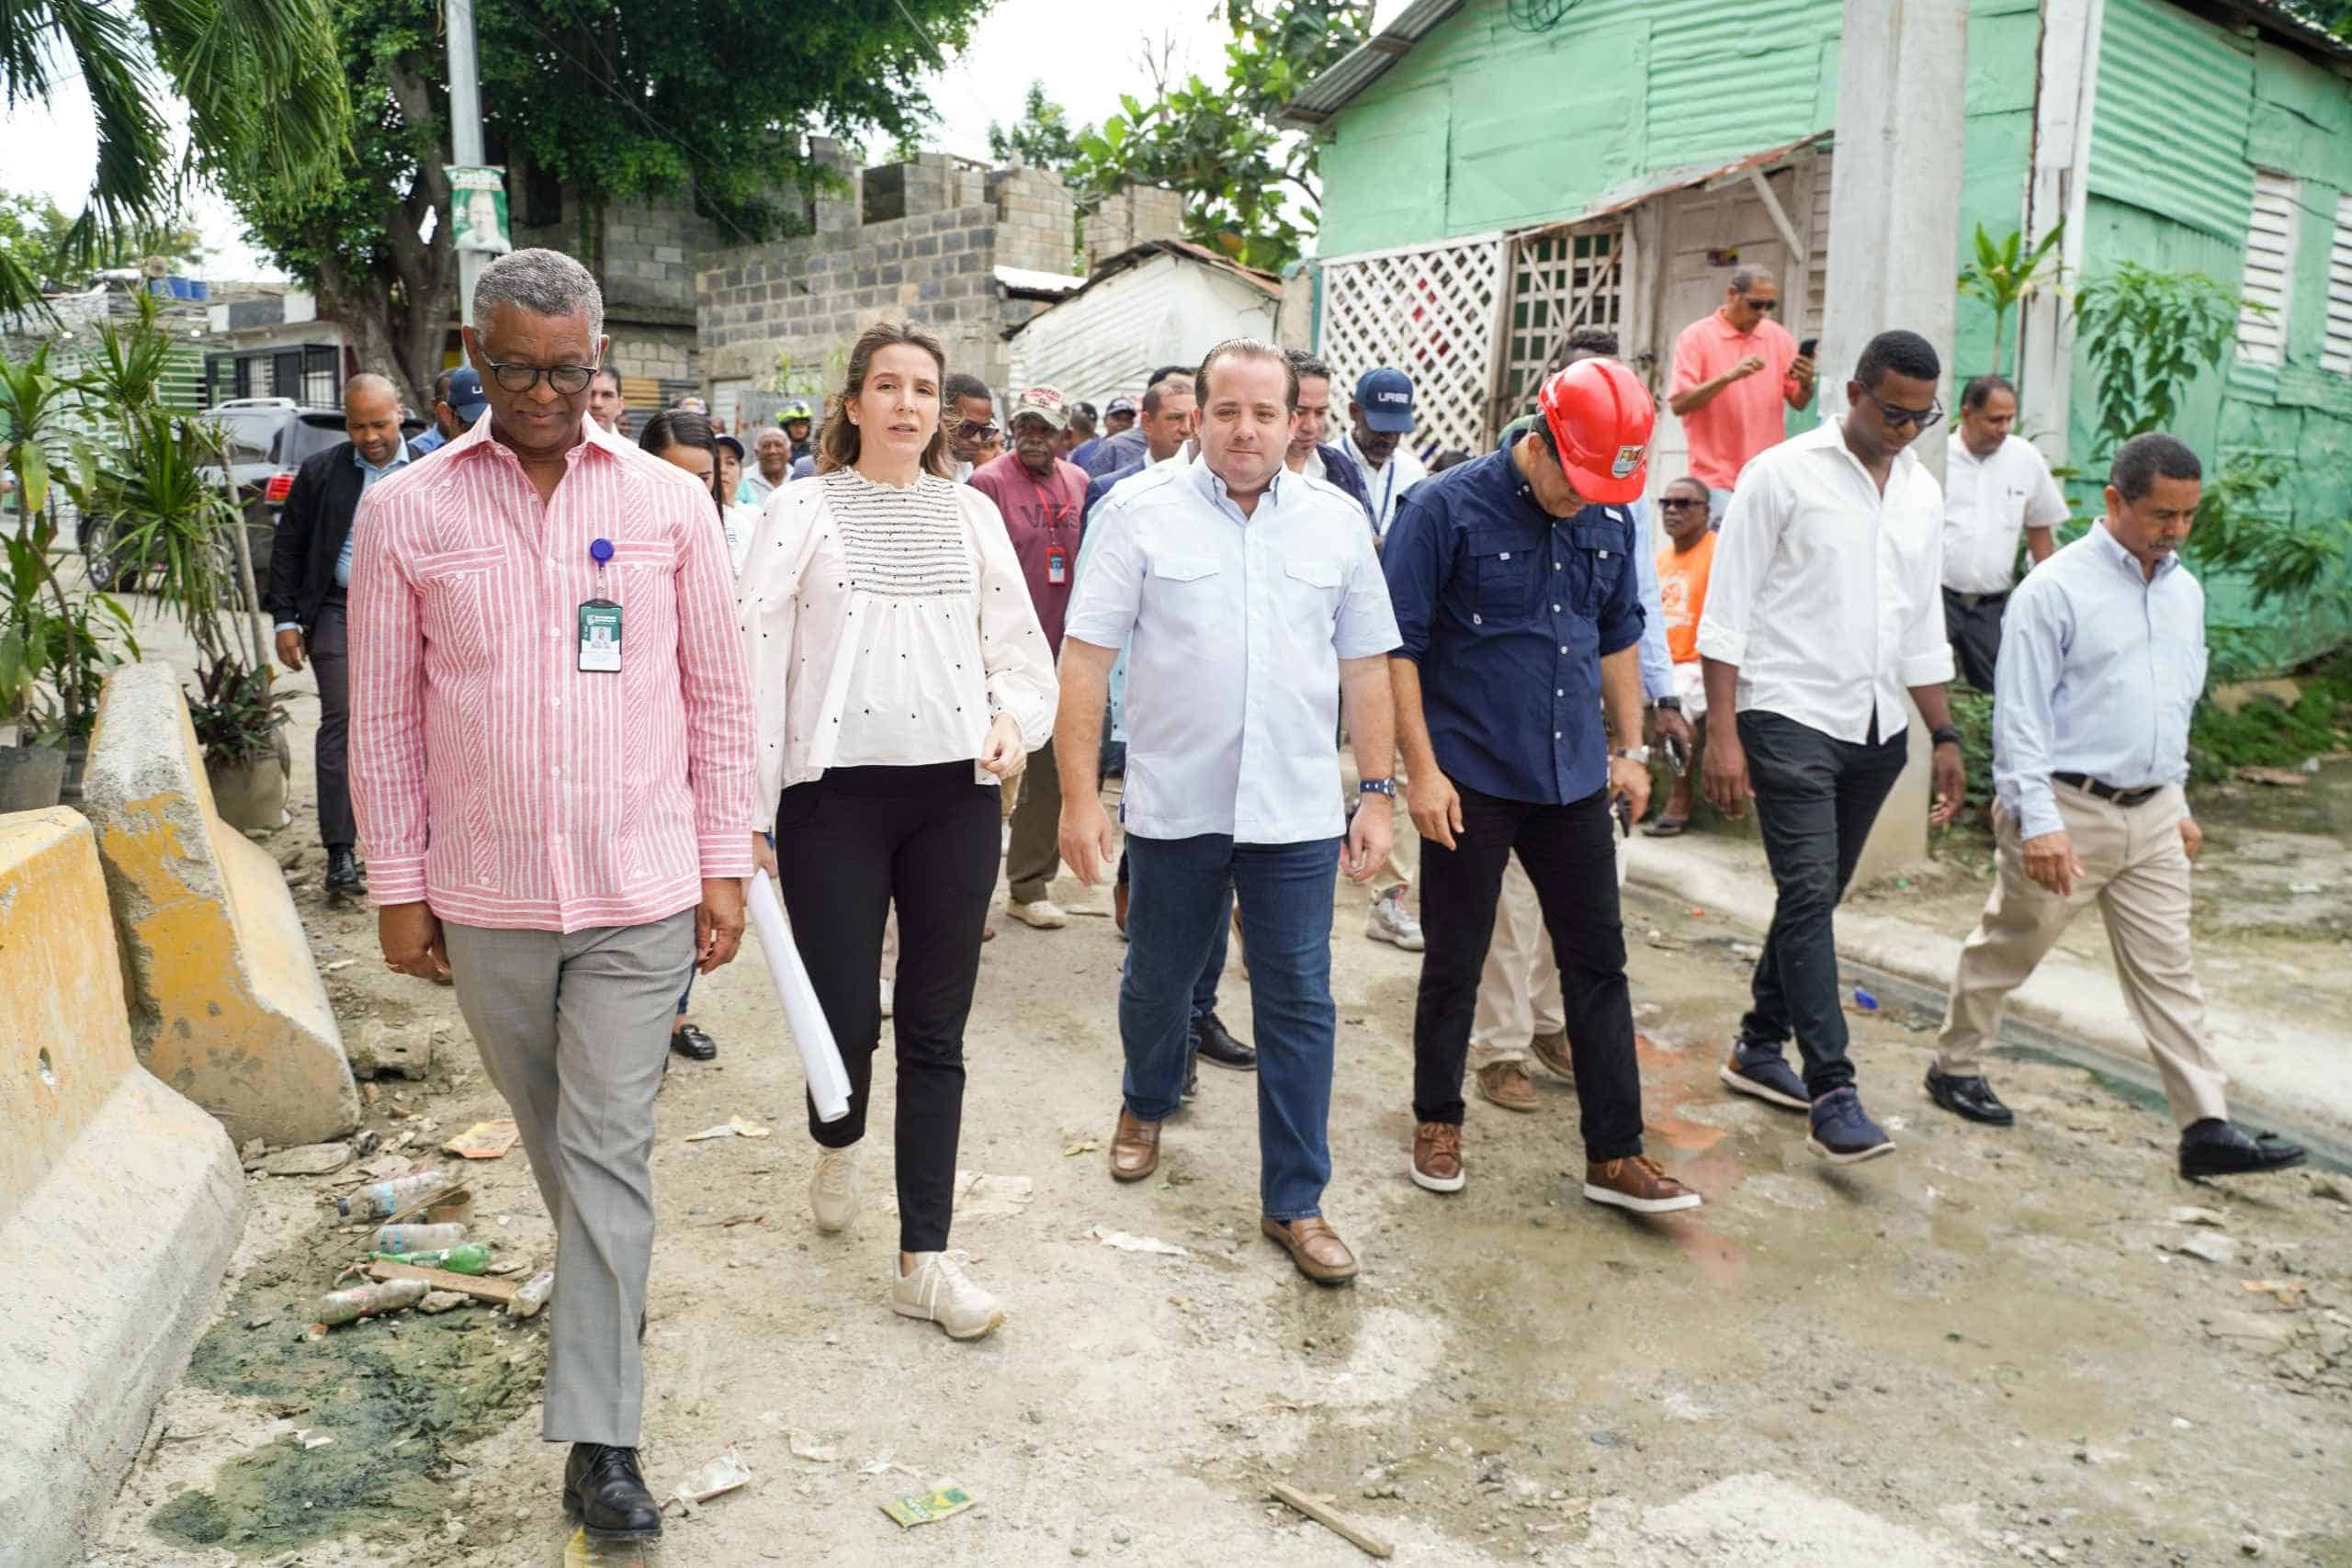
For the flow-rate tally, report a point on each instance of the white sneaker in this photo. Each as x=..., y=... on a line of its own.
x=938, y=1292
x=889, y=994
x=1390, y=921
x=1045, y=914
x=832, y=1189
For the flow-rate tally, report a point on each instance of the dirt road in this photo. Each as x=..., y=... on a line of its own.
x=1985, y=1349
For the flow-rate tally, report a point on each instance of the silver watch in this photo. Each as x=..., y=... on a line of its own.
x=1639, y=755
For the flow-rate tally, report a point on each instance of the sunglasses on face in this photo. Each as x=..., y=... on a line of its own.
x=1680, y=503
x=1765, y=306
x=1897, y=416
x=973, y=430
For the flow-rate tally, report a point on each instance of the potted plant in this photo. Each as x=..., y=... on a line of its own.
x=239, y=721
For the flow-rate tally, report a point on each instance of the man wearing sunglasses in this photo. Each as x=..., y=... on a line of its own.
x=1825, y=604
x=1733, y=370
x=970, y=419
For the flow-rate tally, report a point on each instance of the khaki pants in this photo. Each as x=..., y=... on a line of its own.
x=1034, y=859
x=2137, y=872
x=1519, y=991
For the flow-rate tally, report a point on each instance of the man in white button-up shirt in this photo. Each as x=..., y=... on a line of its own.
x=1997, y=486
x=1251, y=604
x=1824, y=606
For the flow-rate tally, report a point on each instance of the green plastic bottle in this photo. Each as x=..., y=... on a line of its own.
x=471, y=1258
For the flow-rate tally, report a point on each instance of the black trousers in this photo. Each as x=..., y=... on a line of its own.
x=1972, y=623
x=327, y=645
x=1815, y=798
x=1569, y=858
x=848, y=845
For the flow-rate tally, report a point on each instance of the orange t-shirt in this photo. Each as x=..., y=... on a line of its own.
x=1682, y=593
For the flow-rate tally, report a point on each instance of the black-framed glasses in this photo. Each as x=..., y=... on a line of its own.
x=568, y=379
x=1680, y=503
x=1897, y=416
x=1766, y=306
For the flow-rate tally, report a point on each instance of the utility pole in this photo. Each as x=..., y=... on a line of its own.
x=1894, y=248
x=465, y=133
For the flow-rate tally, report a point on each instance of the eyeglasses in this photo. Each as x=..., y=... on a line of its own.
x=1765, y=306
x=1897, y=416
x=568, y=379
x=1680, y=503
x=974, y=430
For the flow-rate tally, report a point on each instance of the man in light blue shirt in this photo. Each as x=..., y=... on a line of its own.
x=1252, y=606
x=2101, y=663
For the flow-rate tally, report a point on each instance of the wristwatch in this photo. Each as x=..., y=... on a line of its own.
x=1377, y=786
x=1671, y=704
x=1640, y=755
x=1943, y=734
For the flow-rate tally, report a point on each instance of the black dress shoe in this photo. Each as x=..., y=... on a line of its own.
x=604, y=1489
x=343, y=872
x=690, y=1042
x=2215, y=1147
x=1972, y=1098
x=1217, y=1043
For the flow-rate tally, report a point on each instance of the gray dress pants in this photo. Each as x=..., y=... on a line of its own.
x=573, y=1030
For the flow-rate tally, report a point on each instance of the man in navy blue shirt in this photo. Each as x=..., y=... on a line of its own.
x=1519, y=615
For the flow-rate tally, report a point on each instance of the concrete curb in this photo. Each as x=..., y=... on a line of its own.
x=119, y=1202
x=2302, y=1075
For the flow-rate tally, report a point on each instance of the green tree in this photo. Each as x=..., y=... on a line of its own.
x=613, y=102
x=1249, y=185
x=258, y=78
x=36, y=236
x=1042, y=138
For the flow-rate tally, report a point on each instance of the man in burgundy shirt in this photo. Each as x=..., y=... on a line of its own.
x=1044, y=500
x=552, y=759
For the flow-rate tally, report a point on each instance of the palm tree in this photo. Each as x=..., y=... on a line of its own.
x=262, y=81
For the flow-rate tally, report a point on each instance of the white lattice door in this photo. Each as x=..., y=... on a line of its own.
x=1430, y=312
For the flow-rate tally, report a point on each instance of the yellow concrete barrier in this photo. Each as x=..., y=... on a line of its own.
x=226, y=1004
x=119, y=1202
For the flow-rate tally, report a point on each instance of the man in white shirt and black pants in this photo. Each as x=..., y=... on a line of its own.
x=1996, y=486
x=1824, y=606
x=2101, y=666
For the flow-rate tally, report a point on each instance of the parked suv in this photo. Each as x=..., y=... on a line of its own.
x=269, y=439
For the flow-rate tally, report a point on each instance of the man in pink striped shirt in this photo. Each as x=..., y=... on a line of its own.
x=552, y=742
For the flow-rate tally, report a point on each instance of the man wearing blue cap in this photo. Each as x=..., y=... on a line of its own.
x=1379, y=418
x=456, y=403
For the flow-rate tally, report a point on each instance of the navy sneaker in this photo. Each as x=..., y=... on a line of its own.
x=1843, y=1131
x=1762, y=1071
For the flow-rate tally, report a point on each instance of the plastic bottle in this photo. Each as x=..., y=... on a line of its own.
x=385, y=1199
x=416, y=1238
x=471, y=1258
x=368, y=1300
x=534, y=1295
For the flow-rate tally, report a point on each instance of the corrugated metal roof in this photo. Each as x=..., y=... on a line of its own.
x=1027, y=283
x=1361, y=66
x=1110, y=267
x=2273, y=17
x=1641, y=188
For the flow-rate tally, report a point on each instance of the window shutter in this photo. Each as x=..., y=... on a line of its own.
x=2269, y=269
x=2336, y=353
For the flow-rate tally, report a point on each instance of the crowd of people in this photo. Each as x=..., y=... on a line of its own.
x=580, y=689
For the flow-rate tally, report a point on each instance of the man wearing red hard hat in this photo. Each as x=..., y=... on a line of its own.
x=1518, y=614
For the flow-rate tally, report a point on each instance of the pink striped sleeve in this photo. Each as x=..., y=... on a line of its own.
x=386, y=653
x=721, y=739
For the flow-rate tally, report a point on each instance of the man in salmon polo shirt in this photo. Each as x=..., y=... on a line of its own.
x=1733, y=369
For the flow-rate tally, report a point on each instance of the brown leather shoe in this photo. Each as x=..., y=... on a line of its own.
x=1316, y=1247
x=1637, y=1184
x=1551, y=1050
x=1135, y=1147
x=1507, y=1085
x=1437, y=1157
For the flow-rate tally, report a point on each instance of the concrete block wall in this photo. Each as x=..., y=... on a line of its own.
x=1127, y=218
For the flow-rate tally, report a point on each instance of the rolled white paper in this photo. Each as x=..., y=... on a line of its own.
x=821, y=1058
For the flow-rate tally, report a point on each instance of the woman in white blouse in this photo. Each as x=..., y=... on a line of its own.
x=901, y=679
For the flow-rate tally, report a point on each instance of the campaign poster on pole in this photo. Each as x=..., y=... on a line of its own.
x=478, y=209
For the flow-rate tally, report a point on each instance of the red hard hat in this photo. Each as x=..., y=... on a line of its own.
x=1600, y=416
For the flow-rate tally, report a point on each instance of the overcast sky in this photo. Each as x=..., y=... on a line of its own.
x=1084, y=67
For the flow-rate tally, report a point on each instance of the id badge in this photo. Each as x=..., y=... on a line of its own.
x=600, y=635
x=1056, y=565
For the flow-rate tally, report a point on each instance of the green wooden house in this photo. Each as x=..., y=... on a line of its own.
x=1497, y=172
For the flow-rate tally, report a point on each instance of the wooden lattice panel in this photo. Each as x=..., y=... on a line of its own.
x=1560, y=281
x=1430, y=312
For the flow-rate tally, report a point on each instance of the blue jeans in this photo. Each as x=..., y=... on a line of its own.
x=1175, y=917
x=1204, y=988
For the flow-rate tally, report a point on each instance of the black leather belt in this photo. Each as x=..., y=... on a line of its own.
x=2126, y=798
